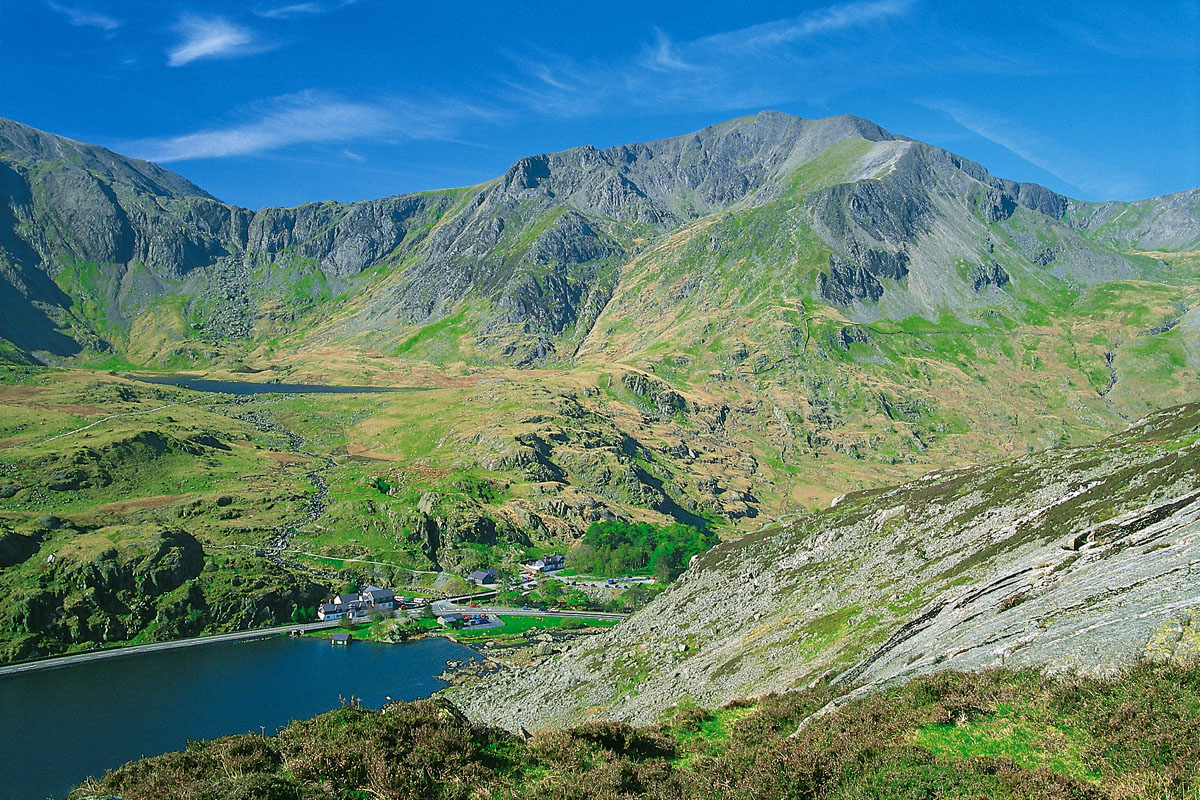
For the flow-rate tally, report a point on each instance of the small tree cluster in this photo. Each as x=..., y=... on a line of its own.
x=614, y=547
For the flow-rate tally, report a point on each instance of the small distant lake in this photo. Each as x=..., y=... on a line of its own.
x=63, y=725
x=250, y=387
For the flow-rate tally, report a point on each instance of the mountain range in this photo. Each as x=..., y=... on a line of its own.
x=730, y=328
x=103, y=253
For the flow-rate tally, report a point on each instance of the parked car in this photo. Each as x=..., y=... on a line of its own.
x=526, y=608
x=474, y=605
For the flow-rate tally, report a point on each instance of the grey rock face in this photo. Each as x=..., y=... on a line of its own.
x=848, y=281
x=982, y=276
x=655, y=396
x=1077, y=559
x=23, y=143
x=1159, y=223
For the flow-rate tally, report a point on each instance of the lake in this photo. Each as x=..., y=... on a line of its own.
x=249, y=387
x=63, y=725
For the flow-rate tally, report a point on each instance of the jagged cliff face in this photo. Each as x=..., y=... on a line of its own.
x=100, y=252
x=1078, y=559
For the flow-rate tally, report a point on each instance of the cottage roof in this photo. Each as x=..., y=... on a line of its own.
x=341, y=637
x=482, y=573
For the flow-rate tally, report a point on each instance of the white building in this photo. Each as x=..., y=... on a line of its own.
x=357, y=604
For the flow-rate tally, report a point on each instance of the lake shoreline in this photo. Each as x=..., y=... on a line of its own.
x=493, y=653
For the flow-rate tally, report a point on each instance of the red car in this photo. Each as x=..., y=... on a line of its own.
x=474, y=605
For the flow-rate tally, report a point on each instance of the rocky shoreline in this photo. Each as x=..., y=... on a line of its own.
x=496, y=656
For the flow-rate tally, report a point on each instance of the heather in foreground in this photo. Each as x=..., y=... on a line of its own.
x=992, y=734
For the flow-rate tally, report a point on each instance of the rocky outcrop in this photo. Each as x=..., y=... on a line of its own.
x=150, y=566
x=16, y=548
x=848, y=281
x=111, y=584
x=100, y=466
x=1078, y=559
x=981, y=276
x=655, y=396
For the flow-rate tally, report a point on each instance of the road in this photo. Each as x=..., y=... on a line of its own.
x=460, y=605
x=603, y=583
x=120, y=652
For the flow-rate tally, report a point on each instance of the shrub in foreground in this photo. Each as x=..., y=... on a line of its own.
x=991, y=734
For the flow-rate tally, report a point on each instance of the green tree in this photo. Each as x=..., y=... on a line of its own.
x=576, y=599
x=398, y=630
x=614, y=547
x=637, y=596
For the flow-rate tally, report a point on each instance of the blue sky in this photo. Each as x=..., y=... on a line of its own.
x=278, y=102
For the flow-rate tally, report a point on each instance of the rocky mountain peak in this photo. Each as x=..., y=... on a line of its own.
x=23, y=144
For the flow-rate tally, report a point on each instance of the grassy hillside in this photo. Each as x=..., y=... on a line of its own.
x=1073, y=557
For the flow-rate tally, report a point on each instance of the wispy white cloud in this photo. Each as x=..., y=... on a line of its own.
x=294, y=10
x=831, y=19
x=307, y=118
x=751, y=66
x=84, y=17
x=206, y=37
x=350, y=154
x=1049, y=155
x=305, y=9
x=1125, y=30
x=662, y=57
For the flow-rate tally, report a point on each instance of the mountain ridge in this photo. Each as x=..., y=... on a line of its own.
x=585, y=207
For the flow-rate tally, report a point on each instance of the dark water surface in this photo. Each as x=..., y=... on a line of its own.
x=249, y=387
x=62, y=725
